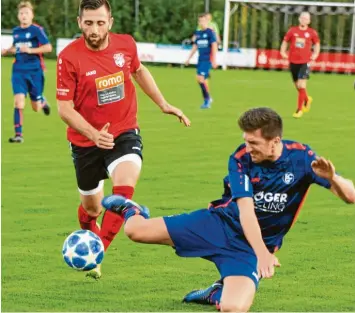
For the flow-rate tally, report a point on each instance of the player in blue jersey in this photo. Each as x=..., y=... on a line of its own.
x=267, y=183
x=206, y=44
x=29, y=43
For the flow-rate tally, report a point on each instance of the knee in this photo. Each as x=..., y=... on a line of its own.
x=134, y=232
x=200, y=79
x=19, y=103
x=233, y=307
x=93, y=210
x=301, y=85
x=36, y=106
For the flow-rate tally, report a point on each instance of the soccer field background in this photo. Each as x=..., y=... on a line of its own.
x=183, y=170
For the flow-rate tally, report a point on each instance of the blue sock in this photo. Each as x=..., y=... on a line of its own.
x=205, y=93
x=18, y=121
x=215, y=297
x=127, y=213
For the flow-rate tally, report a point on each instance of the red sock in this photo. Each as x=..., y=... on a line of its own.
x=87, y=221
x=111, y=222
x=302, y=98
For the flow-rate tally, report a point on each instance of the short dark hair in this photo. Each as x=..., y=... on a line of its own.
x=93, y=5
x=265, y=119
x=202, y=15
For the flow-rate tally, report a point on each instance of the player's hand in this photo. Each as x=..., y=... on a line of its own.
x=266, y=265
x=169, y=109
x=314, y=57
x=214, y=64
x=284, y=55
x=323, y=168
x=25, y=49
x=103, y=139
x=187, y=62
x=3, y=51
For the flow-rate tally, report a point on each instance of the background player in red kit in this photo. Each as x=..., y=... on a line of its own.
x=97, y=100
x=301, y=39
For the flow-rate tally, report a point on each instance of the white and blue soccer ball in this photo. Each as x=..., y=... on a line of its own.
x=83, y=250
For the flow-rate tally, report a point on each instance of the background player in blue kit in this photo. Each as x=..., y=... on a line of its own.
x=206, y=44
x=266, y=186
x=29, y=43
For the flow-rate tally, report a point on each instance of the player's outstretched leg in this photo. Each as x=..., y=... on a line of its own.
x=210, y=295
x=138, y=227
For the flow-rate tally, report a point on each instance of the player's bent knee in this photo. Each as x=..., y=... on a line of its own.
x=19, y=102
x=36, y=106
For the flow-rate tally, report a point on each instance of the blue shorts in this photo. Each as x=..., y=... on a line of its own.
x=31, y=82
x=203, y=69
x=203, y=234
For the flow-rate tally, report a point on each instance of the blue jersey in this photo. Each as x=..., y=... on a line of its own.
x=32, y=36
x=204, y=40
x=278, y=189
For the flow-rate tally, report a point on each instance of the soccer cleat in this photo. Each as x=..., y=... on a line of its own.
x=46, y=109
x=95, y=273
x=206, y=104
x=298, y=114
x=307, y=106
x=203, y=296
x=118, y=204
x=16, y=139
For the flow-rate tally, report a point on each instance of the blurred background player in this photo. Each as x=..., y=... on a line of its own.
x=100, y=108
x=301, y=39
x=29, y=43
x=212, y=25
x=205, y=43
x=267, y=183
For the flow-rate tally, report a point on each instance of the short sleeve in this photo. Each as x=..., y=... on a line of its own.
x=42, y=36
x=240, y=184
x=288, y=35
x=313, y=178
x=136, y=63
x=66, y=79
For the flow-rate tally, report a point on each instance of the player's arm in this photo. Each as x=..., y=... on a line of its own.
x=316, y=47
x=11, y=50
x=341, y=187
x=66, y=85
x=147, y=83
x=47, y=48
x=284, y=44
x=193, y=51
x=242, y=193
x=214, y=49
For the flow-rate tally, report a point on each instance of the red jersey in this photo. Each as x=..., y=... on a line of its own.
x=100, y=85
x=301, y=42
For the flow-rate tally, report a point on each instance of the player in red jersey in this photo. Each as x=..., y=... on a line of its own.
x=301, y=39
x=97, y=100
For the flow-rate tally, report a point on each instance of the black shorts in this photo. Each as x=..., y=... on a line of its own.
x=91, y=163
x=300, y=71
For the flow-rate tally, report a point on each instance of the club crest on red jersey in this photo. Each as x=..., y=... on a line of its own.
x=119, y=59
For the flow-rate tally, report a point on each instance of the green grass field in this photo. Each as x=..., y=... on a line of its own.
x=183, y=171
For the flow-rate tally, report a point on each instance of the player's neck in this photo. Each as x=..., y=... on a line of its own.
x=278, y=152
x=25, y=25
x=303, y=27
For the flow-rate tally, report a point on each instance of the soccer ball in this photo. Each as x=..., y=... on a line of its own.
x=83, y=250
